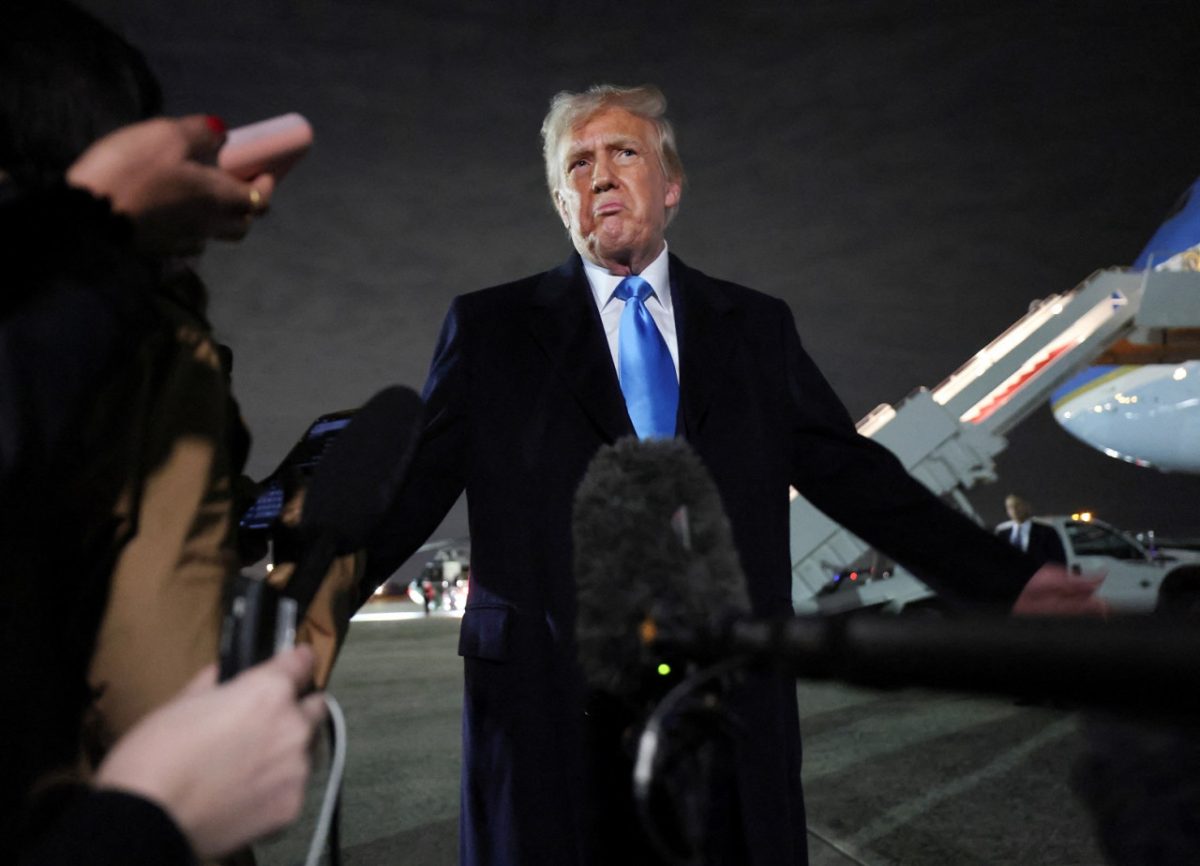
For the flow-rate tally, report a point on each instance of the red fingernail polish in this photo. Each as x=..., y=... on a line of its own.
x=216, y=124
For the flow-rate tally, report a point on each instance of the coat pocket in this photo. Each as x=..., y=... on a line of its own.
x=484, y=633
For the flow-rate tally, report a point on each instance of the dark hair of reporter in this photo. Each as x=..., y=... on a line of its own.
x=66, y=79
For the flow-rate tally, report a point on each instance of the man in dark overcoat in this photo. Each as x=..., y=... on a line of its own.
x=530, y=378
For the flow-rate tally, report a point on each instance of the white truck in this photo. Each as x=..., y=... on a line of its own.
x=1137, y=579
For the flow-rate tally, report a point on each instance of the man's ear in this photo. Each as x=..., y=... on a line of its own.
x=674, y=191
x=560, y=205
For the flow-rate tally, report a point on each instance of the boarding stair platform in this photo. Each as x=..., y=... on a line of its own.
x=948, y=437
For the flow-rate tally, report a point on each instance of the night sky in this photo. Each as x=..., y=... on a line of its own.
x=908, y=176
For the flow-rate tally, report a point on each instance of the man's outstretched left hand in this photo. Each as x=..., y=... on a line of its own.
x=1054, y=591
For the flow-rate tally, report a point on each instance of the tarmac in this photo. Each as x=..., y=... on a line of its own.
x=891, y=777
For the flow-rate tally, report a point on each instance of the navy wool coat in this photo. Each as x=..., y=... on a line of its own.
x=521, y=393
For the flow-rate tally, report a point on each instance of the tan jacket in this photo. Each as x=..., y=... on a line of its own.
x=163, y=618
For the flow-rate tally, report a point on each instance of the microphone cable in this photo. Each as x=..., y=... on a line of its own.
x=329, y=819
x=652, y=737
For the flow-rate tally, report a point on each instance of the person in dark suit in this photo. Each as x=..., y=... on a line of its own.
x=1038, y=540
x=529, y=379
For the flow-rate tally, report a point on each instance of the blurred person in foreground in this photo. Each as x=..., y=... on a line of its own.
x=528, y=380
x=217, y=767
x=118, y=445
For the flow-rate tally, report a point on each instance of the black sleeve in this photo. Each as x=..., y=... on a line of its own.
x=864, y=487
x=439, y=469
x=1045, y=545
x=110, y=828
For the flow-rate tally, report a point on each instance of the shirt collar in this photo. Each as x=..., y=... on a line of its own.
x=657, y=274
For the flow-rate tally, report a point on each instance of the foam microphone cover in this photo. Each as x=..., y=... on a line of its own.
x=631, y=566
x=359, y=476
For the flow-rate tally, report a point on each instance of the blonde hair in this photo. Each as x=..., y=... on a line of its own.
x=569, y=110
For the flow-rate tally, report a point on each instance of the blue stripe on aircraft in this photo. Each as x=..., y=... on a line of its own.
x=1081, y=379
x=1180, y=231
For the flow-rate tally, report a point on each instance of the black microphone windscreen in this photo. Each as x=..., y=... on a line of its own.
x=359, y=476
x=631, y=565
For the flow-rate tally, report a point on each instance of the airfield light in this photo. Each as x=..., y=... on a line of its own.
x=1179, y=374
x=664, y=670
x=854, y=575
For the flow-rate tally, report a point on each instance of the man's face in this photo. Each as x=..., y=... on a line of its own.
x=1017, y=510
x=613, y=196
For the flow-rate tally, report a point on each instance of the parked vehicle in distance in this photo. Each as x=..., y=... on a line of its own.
x=1137, y=579
x=444, y=579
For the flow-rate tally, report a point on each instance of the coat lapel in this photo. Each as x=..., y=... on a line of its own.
x=705, y=320
x=565, y=322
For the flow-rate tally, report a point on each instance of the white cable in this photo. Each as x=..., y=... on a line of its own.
x=337, y=767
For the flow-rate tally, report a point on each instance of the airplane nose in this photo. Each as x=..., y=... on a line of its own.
x=1148, y=415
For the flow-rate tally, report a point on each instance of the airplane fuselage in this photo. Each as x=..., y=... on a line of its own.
x=1146, y=414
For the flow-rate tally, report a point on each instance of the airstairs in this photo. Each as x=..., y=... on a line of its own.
x=948, y=437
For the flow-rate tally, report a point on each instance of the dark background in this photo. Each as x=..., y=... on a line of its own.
x=909, y=176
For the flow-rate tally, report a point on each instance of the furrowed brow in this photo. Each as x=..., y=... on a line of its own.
x=623, y=143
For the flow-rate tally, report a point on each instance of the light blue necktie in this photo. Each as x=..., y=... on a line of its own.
x=646, y=370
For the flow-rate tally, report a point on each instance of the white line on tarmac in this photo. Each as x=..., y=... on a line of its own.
x=875, y=735
x=843, y=848
x=909, y=811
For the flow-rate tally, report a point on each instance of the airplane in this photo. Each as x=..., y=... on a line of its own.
x=1140, y=402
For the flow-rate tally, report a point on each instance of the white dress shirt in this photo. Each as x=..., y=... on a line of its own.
x=659, y=305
